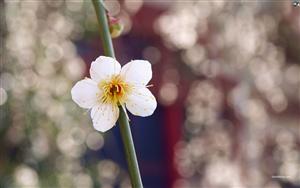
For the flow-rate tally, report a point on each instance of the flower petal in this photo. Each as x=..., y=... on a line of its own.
x=84, y=93
x=103, y=67
x=137, y=72
x=141, y=102
x=104, y=116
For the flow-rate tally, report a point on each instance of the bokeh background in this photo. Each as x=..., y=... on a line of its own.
x=226, y=75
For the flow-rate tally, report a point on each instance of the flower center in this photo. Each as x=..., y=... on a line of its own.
x=115, y=90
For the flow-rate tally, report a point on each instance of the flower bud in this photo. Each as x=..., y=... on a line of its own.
x=115, y=26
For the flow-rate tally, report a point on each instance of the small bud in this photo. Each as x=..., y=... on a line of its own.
x=115, y=26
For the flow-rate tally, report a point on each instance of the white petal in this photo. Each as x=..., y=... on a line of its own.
x=84, y=93
x=104, y=116
x=141, y=102
x=103, y=67
x=137, y=72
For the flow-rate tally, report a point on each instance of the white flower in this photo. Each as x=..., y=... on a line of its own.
x=111, y=86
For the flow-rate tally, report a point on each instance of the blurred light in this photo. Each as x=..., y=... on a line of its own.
x=292, y=74
x=70, y=142
x=6, y=80
x=126, y=183
x=82, y=180
x=56, y=111
x=184, y=23
x=231, y=32
x=278, y=100
x=264, y=82
x=15, y=134
x=185, y=166
x=74, y=69
x=152, y=54
x=26, y=176
x=194, y=55
x=168, y=93
x=74, y=6
x=28, y=78
x=254, y=149
x=220, y=172
x=41, y=101
x=54, y=4
x=78, y=135
x=62, y=25
x=94, y=141
x=77, y=33
x=113, y=7
x=3, y=96
x=9, y=1
x=61, y=88
x=40, y=144
x=220, y=142
x=196, y=58
x=256, y=177
x=285, y=140
x=90, y=24
x=26, y=58
x=209, y=68
x=290, y=169
x=171, y=75
x=255, y=111
x=65, y=179
x=133, y=6
x=259, y=61
x=54, y=52
x=181, y=183
x=108, y=171
x=69, y=49
x=203, y=103
x=48, y=37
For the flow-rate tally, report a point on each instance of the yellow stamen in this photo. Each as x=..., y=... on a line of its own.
x=114, y=90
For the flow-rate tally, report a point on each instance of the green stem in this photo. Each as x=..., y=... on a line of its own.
x=131, y=159
x=104, y=29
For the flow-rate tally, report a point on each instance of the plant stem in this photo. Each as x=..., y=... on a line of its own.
x=104, y=29
x=131, y=159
